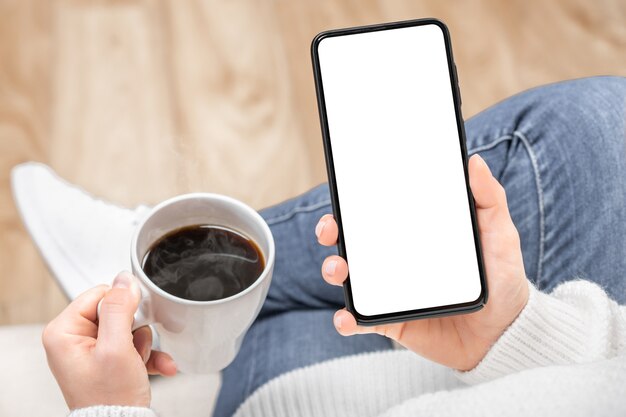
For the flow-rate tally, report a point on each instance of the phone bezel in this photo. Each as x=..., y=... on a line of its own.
x=419, y=313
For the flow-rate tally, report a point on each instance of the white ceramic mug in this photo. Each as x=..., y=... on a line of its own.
x=201, y=336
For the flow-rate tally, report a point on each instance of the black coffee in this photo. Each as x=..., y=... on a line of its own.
x=203, y=262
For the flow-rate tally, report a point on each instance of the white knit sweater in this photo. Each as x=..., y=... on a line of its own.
x=564, y=355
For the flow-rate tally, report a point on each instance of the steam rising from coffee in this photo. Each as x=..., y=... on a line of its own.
x=203, y=263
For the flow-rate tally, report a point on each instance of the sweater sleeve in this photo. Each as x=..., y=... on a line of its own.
x=576, y=323
x=581, y=390
x=112, y=411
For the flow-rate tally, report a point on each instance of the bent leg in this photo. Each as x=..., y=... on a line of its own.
x=560, y=153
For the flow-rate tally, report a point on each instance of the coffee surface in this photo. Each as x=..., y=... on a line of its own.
x=203, y=262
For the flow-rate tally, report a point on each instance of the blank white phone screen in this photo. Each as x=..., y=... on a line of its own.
x=398, y=167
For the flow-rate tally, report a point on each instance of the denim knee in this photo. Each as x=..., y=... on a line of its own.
x=590, y=111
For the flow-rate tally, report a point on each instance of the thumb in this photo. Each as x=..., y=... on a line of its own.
x=489, y=195
x=116, y=312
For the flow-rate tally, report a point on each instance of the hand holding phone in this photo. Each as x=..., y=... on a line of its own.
x=458, y=341
x=404, y=218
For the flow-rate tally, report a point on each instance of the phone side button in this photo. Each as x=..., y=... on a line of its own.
x=458, y=89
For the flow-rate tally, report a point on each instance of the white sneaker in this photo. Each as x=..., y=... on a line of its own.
x=84, y=241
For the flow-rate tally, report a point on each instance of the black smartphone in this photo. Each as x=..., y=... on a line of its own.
x=390, y=111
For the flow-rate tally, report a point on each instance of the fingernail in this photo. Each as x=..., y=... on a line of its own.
x=145, y=355
x=330, y=267
x=337, y=321
x=319, y=228
x=122, y=280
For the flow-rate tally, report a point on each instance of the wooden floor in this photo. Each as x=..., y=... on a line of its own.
x=137, y=100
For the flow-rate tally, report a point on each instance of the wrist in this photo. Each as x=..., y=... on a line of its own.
x=497, y=317
x=118, y=386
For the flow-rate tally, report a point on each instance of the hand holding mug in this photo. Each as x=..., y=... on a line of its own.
x=93, y=352
x=99, y=360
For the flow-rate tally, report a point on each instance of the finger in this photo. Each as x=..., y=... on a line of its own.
x=160, y=363
x=335, y=270
x=346, y=325
x=142, y=339
x=483, y=184
x=81, y=311
x=116, y=311
x=77, y=319
x=489, y=195
x=327, y=230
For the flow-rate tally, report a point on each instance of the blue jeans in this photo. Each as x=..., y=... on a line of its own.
x=560, y=153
